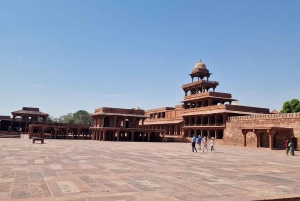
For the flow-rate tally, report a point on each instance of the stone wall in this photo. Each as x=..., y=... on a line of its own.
x=233, y=132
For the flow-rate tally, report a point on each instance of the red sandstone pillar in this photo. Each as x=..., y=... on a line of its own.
x=245, y=135
x=55, y=133
x=148, y=136
x=118, y=135
x=271, y=145
x=132, y=136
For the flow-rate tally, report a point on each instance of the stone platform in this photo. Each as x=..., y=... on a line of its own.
x=82, y=170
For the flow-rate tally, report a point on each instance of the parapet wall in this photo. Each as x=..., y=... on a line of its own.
x=233, y=132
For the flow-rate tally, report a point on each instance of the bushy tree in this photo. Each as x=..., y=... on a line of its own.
x=79, y=117
x=291, y=106
x=82, y=117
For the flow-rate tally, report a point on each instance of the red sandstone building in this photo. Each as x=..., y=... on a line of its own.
x=21, y=119
x=116, y=124
x=204, y=111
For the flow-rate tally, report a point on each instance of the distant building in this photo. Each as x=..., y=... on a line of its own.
x=22, y=119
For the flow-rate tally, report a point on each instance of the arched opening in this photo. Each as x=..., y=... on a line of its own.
x=220, y=119
x=212, y=133
x=106, y=121
x=199, y=120
x=61, y=133
x=74, y=133
x=192, y=132
x=212, y=120
x=193, y=120
x=264, y=140
x=205, y=120
x=198, y=133
x=127, y=123
x=220, y=134
x=41, y=119
x=193, y=105
x=206, y=103
x=36, y=132
x=187, y=121
x=280, y=138
x=49, y=132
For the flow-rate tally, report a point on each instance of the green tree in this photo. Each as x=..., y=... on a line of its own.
x=82, y=117
x=50, y=119
x=291, y=106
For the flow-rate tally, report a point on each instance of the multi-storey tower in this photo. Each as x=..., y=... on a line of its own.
x=205, y=111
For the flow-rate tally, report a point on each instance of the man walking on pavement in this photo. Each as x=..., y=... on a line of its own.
x=199, y=141
x=212, y=144
x=194, y=143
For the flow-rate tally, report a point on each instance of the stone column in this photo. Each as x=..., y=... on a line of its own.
x=104, y=135
x=271, y=138
x=55, y=133
x=118, y=135
x=132, y=136
x=148, y=136
x=245, y=137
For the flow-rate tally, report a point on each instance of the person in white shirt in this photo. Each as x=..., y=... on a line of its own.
x=205, y=144
x=212, y=144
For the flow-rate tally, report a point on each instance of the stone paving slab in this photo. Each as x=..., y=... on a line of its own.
x=75, y=170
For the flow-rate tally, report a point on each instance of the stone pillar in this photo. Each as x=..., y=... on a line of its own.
x=104, y=135
x=271, y=138
x=55, y=133
x=118, y=135
x=43, y=132
x=245, y=137
x=148, y=136
x=132, y=136
x=216, y=135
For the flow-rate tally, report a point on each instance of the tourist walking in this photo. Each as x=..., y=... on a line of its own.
x=199, y=141
x=286, y=145
x=212, y=144
x=205, y=144
x=194, y=139
x=291, y=146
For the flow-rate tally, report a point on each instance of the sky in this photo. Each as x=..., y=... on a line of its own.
x=63, y=56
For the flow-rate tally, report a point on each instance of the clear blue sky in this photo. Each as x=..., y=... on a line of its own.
x=62, y=56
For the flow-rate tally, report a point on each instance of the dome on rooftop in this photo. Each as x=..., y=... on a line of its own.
x=200, y=65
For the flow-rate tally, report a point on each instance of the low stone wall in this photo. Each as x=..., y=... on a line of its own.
x=233, y=132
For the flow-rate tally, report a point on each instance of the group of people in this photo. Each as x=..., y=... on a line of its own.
x=199, y=140
x=289, y=148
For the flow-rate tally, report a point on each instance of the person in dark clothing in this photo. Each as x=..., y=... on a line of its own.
x=194, y=139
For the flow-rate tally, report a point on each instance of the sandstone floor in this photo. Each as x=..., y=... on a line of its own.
x=83, y=170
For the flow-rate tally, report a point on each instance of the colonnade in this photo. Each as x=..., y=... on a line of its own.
x=208, y=133
x=216, y=119
x=170, y=129
x=59, y=132
x=129, y=135
x=117, y=121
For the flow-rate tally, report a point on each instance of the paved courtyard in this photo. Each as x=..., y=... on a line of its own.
x=79, y=170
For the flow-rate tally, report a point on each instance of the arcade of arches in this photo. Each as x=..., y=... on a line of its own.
x=272, y=137
x=59, y=131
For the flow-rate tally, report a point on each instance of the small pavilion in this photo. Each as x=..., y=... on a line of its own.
x=116, y=124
